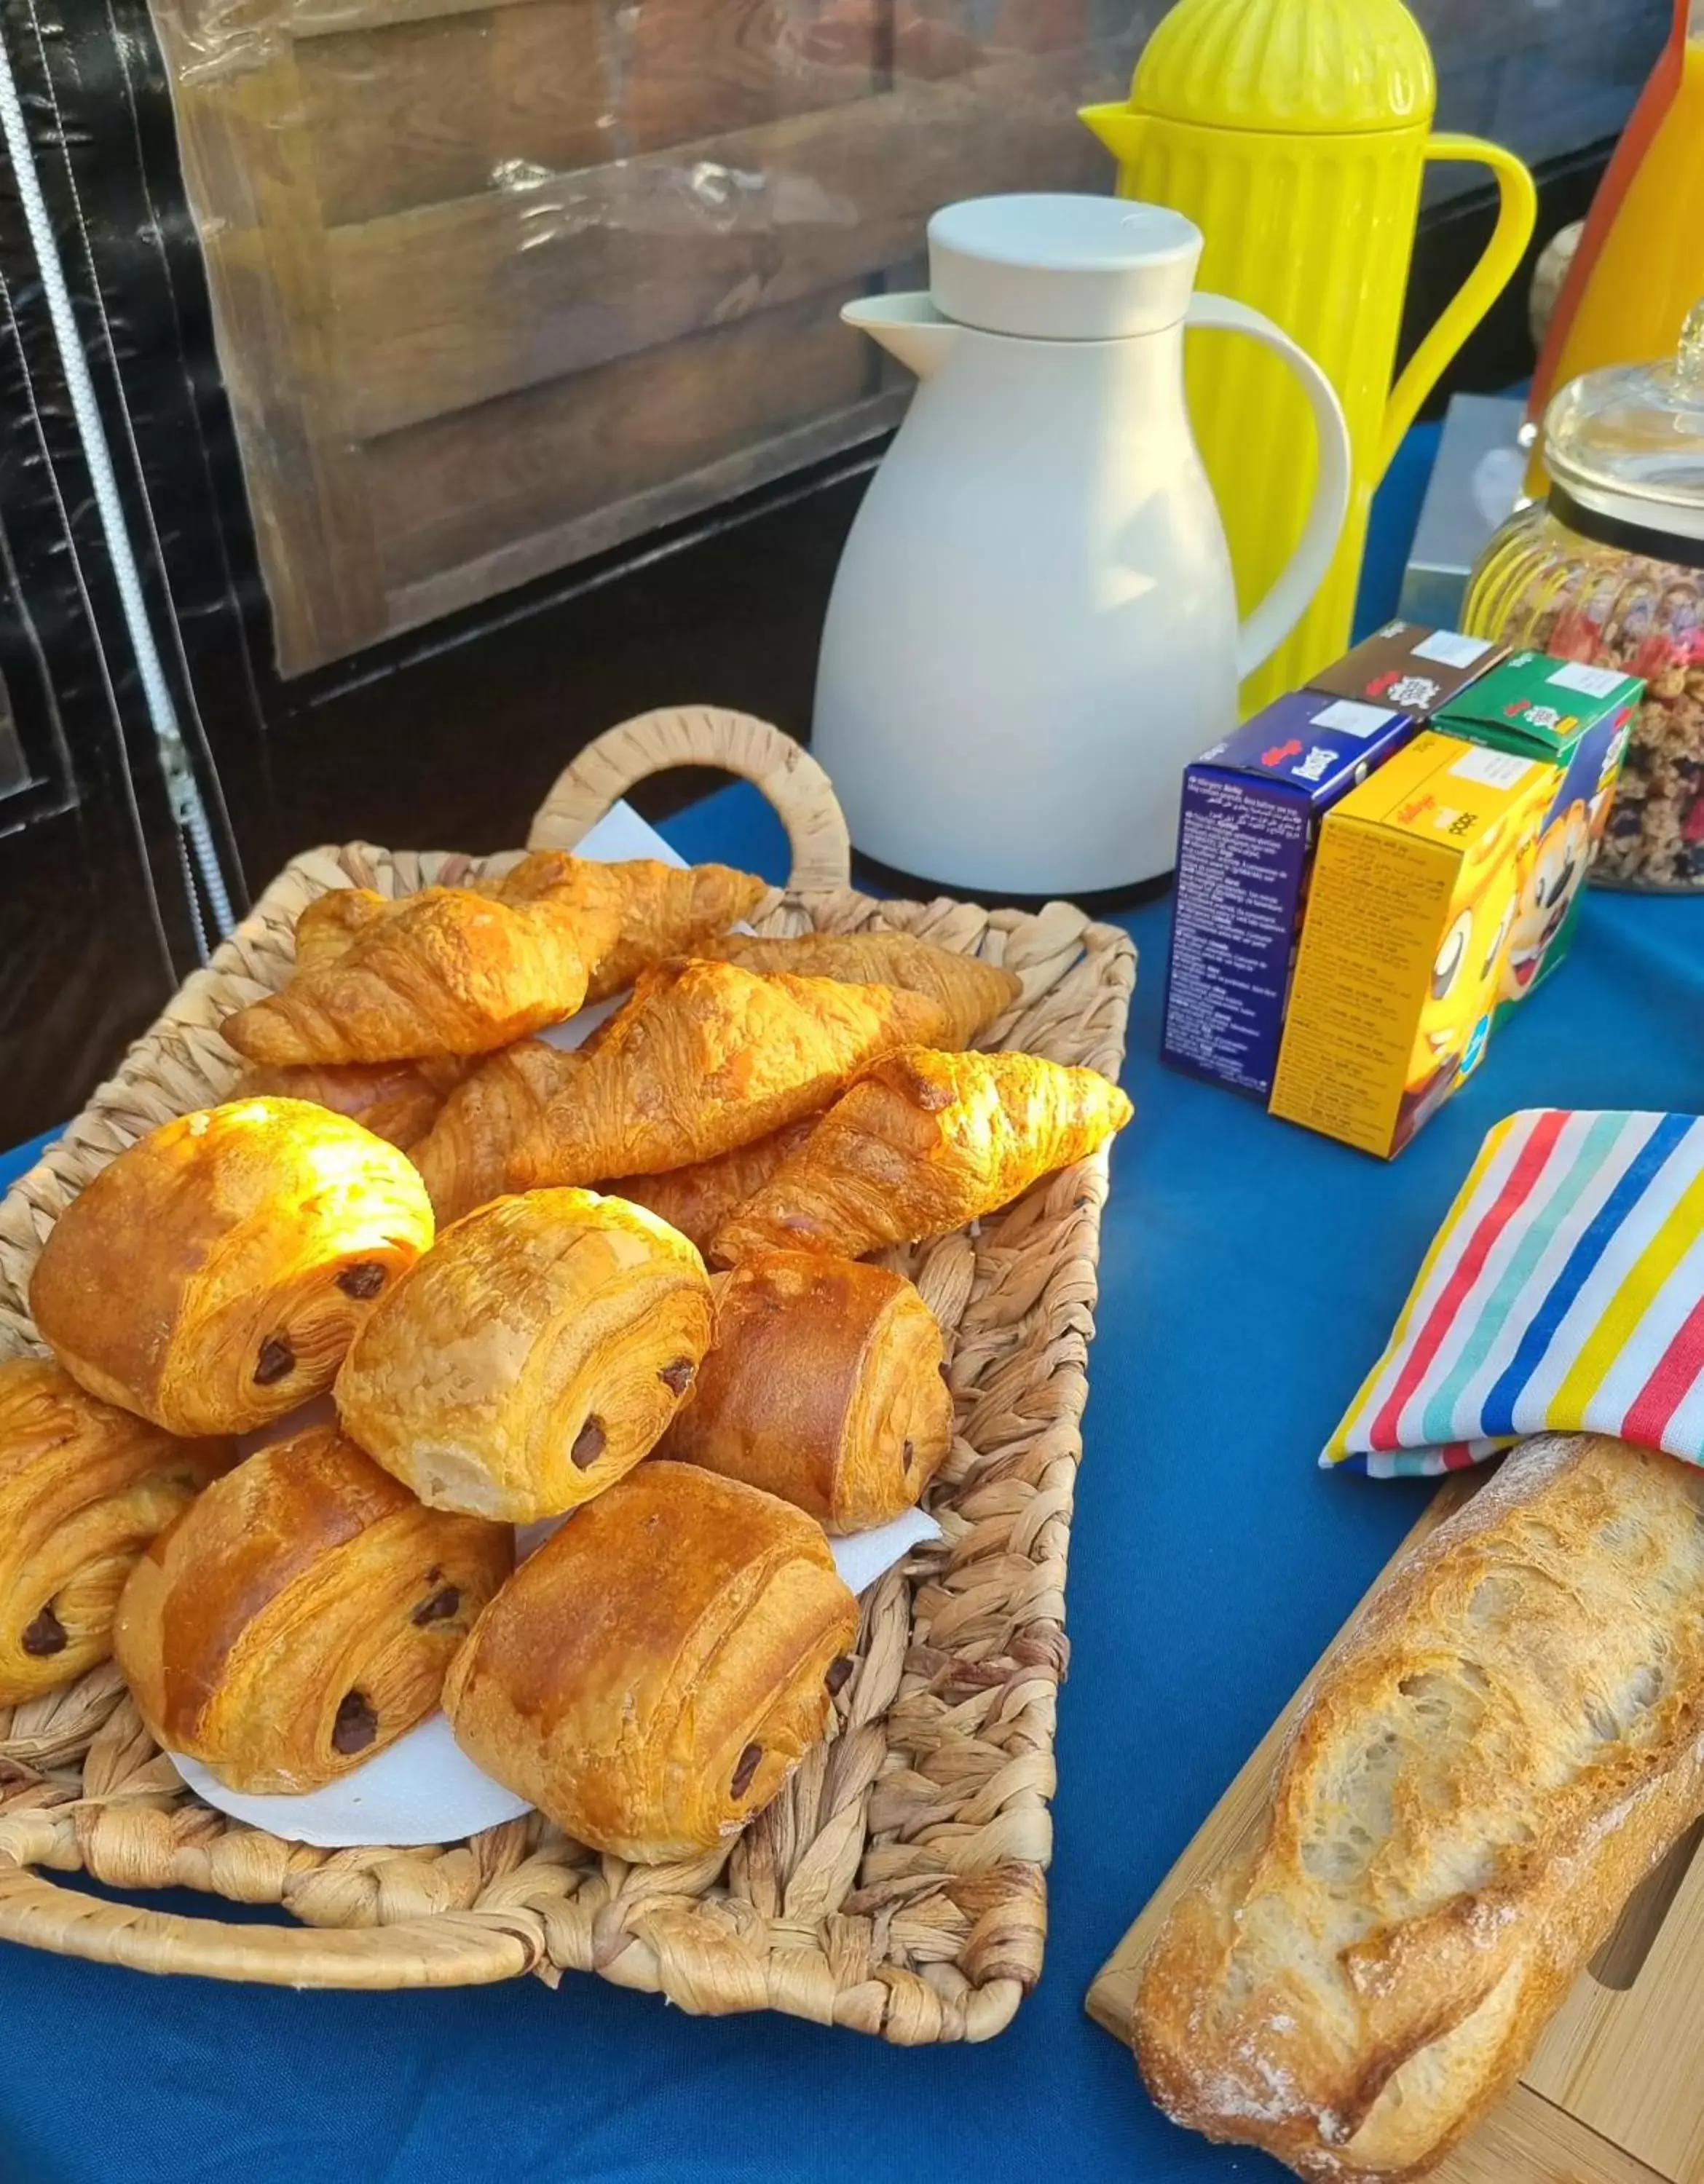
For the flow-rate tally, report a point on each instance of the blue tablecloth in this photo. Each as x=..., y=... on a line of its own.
x=1249, y=1273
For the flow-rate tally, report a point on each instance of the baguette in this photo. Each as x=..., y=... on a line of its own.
x=1505, y=1742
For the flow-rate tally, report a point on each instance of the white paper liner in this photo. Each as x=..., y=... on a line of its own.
x=423, y=1789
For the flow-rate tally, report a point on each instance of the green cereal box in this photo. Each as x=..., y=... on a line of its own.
x=1576, y=718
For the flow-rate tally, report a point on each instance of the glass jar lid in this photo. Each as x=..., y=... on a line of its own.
x=1628, y=442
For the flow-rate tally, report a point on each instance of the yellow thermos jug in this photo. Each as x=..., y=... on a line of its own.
x=1294, y=134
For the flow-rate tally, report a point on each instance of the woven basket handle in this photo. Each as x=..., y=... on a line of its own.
x=452, y=1948
x=706, y=735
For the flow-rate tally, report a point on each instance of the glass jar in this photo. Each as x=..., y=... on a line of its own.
x=1610, y=570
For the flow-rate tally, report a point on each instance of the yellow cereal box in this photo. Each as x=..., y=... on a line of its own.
x=1415, y=886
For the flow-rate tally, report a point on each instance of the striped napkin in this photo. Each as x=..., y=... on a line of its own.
x=1565, y=1292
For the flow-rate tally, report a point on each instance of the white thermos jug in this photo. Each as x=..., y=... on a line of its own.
x=1033, y=628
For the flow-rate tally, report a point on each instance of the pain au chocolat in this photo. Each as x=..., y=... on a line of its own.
x=825, y=1384
x=301, y=1615
x=651, y=1677
x=210, y=1278
x=84, y=1487
x=532, y=1357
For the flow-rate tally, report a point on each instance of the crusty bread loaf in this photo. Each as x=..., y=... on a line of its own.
x=1508, y=1738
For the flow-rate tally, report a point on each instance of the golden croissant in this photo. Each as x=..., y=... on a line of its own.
x=467, y=970
x=332, y=921
x=211, y=1277
x=706, y=1056
x=537, y=1353
x=301, y=1615
x=697, y=1199
x=449, y=971
x=922, y=1143
x=464, y=1158
x=972, y=992
x=397, y=1100
x=83, y=1488
x=651, y=1677
x=660, y=910
x=826, y=1384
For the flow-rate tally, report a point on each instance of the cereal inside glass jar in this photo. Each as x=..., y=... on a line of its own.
x=1611, y=572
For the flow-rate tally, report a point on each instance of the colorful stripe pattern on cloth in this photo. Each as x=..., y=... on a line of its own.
x=1565, y=1292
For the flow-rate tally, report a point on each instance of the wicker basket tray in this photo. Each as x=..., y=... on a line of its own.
x=896, y=1884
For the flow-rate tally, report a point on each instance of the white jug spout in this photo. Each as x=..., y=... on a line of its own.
x=909, y=327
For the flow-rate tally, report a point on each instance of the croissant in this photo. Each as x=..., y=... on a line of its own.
x=83, y=1488
x=397, y=1100
x=661, y=910
x=920, y=1145
x=449, y=971
x=464, y=1159
x=211, y=1277
x=300, y=1616
x=971, y=992
x=826, y=1386
x=532, y=1357
x=706, y=1056
x=651, y=1677
x=328, y=925
x=332, y=921
x=697, y=1199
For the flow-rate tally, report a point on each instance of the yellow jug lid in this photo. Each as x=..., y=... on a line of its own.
x=1301, y=65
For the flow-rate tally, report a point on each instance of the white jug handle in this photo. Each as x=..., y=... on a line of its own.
x=1278, y=613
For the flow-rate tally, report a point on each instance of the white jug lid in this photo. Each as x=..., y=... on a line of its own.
x=1062, y=268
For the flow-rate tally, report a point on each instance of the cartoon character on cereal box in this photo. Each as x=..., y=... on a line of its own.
x=1467, y=976
x=1553, y=876
x=1551, y=880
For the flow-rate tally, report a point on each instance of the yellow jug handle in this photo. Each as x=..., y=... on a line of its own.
x=1517, y=214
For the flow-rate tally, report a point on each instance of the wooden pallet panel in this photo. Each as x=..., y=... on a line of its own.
x=436, y=111
x=453, y=304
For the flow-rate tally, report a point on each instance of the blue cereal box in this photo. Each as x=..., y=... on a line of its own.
x=1245, y=841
